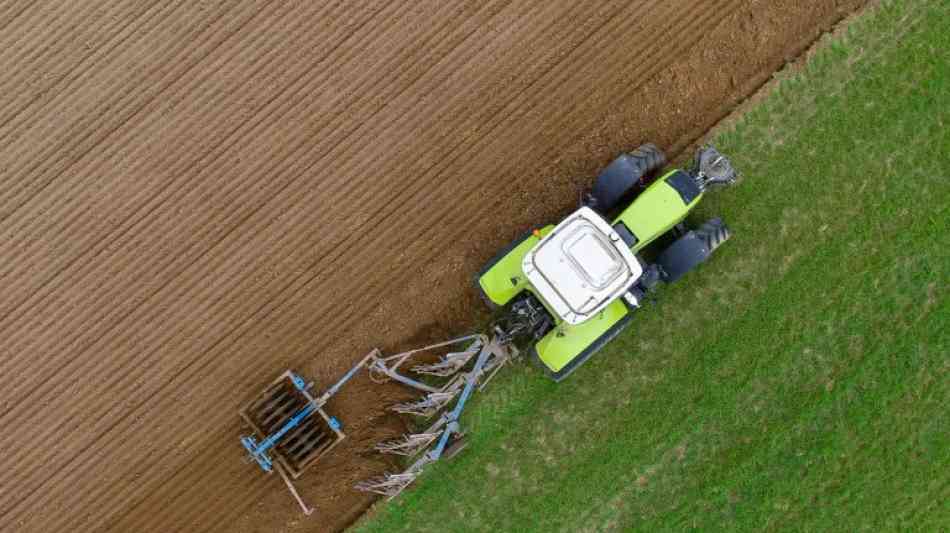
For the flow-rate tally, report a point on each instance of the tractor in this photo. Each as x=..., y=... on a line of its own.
x=566, y=290
x=569, y=289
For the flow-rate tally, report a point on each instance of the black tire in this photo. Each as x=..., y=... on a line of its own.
x=624, y=175
x=692, y=249
x=715, y=232
x=652, y=157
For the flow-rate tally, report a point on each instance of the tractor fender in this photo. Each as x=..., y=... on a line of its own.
x=564, y=349
x=501, y=278
x=657, y=210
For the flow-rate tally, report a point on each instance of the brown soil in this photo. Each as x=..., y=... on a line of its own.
x=198, y=195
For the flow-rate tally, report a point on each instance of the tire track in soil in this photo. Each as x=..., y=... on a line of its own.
x=54, y=140
x=41, y=91
x=137, y=207
x=9, y=18
x=134, y=208
x=283, y=316
x=131, y=210
x=65, y=196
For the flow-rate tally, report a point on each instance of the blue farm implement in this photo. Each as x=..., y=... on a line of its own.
x=291, y=430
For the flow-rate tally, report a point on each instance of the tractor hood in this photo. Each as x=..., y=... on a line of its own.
x=581, y=266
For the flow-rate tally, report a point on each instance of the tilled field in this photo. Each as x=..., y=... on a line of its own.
x=198, y=195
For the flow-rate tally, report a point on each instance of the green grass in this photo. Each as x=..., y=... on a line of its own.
x=800, y=379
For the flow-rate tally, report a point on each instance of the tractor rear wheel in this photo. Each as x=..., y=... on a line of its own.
x=624, y=175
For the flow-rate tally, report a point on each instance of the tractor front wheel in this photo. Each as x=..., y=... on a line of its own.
x=692, y=249
x=624, y=175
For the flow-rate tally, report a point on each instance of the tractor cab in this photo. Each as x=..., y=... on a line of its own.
x=581, y=266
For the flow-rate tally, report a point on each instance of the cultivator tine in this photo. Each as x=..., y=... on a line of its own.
x=491, y=374
x=429, y=404
x=389, y=485
x=407, y=445
x=446, y=366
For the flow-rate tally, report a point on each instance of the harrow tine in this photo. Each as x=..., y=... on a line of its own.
x=389, y=485
x=277, y=417
x=300, y=453
x=271, y=396
x=427, y=406
x=449, y=364
x=299, y=442
x=407, y=445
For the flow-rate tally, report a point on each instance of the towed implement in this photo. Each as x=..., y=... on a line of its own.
x=291, y=430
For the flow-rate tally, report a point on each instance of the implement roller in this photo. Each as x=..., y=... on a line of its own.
x=291, y=429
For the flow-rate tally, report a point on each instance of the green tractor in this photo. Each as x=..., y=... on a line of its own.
x=570, y=288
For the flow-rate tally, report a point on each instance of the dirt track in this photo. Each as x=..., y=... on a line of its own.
x=198, y=195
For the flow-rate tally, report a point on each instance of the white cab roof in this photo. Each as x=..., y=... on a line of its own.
x=581, y=266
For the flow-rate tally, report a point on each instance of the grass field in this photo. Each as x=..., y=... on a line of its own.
x=799, y=380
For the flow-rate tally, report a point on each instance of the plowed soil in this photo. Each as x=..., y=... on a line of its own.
x=198, y=195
